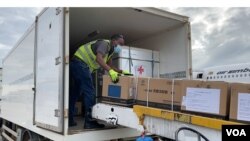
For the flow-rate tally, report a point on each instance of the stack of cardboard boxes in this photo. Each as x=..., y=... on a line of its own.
x=205, y=98
x=240, y=102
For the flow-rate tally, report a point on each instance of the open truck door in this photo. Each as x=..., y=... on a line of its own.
x=49, y=70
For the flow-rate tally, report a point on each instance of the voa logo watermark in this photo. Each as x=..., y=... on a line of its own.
x=236, y=132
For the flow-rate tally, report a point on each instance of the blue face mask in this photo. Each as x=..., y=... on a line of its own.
x=117, y=49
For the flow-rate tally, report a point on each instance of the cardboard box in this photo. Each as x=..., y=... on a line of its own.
x=240, y=102
x=78, y=109
x=157, y=92
x=206, y=98
x=121, y=93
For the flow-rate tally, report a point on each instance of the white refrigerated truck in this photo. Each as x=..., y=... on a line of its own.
x=34, y=102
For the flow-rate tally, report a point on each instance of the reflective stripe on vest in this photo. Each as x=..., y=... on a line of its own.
x=110, y=56
x=86, y=54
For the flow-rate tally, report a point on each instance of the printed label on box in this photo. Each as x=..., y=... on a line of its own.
x=183, y=103
x=243, y=106
x=114, y=91
x=203, y=100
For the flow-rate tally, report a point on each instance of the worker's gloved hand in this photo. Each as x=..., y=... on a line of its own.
x=114, y=75
x=144, y=139
x=126, y=72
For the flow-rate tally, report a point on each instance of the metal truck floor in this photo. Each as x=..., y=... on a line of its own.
x=80, y=122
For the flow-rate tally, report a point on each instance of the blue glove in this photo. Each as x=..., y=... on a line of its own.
x=144, y=139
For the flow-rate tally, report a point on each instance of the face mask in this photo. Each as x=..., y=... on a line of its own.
x=117, y=49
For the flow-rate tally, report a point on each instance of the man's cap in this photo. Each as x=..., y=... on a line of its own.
x=117, y=36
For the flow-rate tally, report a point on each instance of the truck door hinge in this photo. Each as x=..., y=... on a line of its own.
x=58, y=113
x=58, y=10
x=66, y=59
x=66, y=113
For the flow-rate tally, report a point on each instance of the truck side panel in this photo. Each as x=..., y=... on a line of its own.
x=18, y=81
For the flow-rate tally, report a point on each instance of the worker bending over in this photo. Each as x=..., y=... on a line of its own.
x=88, y=58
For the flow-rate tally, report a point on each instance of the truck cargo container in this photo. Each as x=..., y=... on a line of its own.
x=36, y=71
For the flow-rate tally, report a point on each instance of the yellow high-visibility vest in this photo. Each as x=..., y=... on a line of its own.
x=86, y=54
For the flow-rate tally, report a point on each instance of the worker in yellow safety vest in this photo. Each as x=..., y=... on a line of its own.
x=88, y=58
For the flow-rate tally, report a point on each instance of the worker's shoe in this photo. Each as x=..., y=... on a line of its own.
x=72, y=123
x=93, y=125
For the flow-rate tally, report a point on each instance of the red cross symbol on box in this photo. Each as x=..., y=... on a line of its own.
x=140, y=70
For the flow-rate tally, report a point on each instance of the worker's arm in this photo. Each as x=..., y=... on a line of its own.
x=113, y=74
x=102, y=48
x=101, y=62
x=113, y=67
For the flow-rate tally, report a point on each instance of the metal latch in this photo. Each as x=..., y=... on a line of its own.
x=112, y=119
x=58, y=60
x=34, y=89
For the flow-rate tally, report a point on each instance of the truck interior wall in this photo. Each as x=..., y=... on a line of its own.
x=172, y=45
x=87, y=24
x=18, y=81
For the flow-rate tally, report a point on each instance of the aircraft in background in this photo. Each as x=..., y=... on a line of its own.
x=229, y=73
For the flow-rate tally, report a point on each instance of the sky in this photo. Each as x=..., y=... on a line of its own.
x=220, y=36
x=13, y=24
